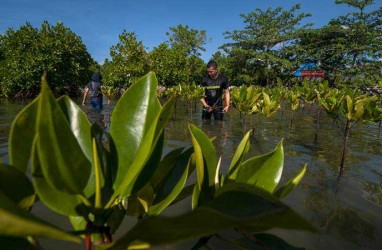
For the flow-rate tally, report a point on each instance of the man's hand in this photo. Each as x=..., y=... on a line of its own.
x=225, y=109
x=208, y=108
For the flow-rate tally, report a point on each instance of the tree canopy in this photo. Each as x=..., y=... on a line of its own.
x=350, y=46
x=28, y=52
x=260, y=51
x=128, y=61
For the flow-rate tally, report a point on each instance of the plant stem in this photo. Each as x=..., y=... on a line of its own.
x=346, y=137
x=317, y=124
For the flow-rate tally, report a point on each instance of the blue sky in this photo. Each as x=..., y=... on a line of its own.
x=99, y=23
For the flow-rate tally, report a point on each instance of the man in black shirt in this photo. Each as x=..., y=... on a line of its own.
x=216, y=91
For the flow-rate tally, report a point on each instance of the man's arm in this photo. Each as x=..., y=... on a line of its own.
x=227, y=100
x=86, y=92
x=205, y=105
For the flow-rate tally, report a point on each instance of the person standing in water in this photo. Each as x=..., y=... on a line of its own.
x=94, y=90
x=216, y=99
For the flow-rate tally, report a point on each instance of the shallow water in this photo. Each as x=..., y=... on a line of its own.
x=345, y=209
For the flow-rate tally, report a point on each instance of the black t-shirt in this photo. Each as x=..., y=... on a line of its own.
x=214, y=89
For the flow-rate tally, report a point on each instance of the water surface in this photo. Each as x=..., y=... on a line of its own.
x=346, y=209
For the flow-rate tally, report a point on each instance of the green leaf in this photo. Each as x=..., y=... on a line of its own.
x=138, y=203
x=205, y=155
x=165, y=167
x=62, y=161
x=16, y=186
x=79, y=124
x=165, y=114
x=234, y=206
x=199, y=163
x=135, y=114
x=21, y=136
x=82, y=131
x=172, y=185
x=108, y=160
x=237, y=158
x=60, y=202
x=150, y=138
x=291, y=184
x=263, y=171
x=19, y=223
x=153, y=162
x=267, y=100
x=207, y=152
x=97, y=177
x=78, y=222
x=186, y=192
x=195, y=196
x=151, y=166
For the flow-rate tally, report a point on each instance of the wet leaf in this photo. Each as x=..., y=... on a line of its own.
x=172, y=185
x=59, y=152
x=19, y=223
x=240, y=152
x=21, y=136
x=263, y=171
x=291, y=184
x=16, y=186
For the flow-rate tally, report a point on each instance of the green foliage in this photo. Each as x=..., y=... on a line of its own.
x=349, y=107
x=170, y=65
x=255, y=52
x=349, y=47
x=190, y=92
x=28, y=52
x=96, y=178
x=293, y=98
x=174, y=67
x=128, y=61
x=190, y=41
x=245, y=98
x=253, y=100
x=269, y=104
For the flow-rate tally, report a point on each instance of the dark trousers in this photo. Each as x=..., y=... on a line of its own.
x=217, y=113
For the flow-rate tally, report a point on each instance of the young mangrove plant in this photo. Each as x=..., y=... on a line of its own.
x=96, y=178
x=293, y=98
x=266, y=106
x=245, y=100
x=349, y=107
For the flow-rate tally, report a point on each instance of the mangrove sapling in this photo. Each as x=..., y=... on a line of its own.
x=266, y=106
x=352, y=107
x=245, y=100
x=321, y=89
x=293, y=98
x=356, y=108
